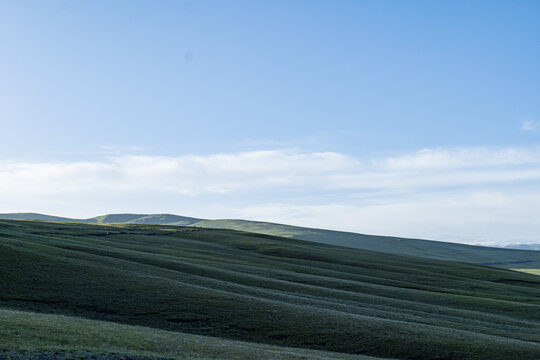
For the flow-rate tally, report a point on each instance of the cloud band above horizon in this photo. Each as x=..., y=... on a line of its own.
x=473, y=195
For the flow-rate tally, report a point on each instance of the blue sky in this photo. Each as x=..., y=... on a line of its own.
x=140, y=98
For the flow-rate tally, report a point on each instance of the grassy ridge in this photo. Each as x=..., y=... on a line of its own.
x=34, y=333
x=156, y=219
x=500, y=257
x=272, y=290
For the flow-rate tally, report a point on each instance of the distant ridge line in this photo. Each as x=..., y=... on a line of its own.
x=482, y=255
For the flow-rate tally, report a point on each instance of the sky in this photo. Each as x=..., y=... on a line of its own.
x=417, y=118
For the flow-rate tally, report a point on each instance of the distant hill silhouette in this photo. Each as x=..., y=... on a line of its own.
x=500, y=257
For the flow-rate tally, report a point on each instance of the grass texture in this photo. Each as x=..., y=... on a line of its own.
x=25, y=335
x=270, y=290
x=499, y=257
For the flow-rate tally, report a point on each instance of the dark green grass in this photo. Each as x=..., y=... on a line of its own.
x=499, y=257
x=35, y=336
x=71, y=355
x=272, y=290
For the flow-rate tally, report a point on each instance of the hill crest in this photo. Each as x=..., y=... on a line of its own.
x=499, y=257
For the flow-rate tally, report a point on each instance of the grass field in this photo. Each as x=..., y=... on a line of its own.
x=499, y=257
x=269, y=290
x=530, y=271
x=30, y=333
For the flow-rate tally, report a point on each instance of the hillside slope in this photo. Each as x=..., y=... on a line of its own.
x=499, y=257
x=270, y=290
x=41, y=217
x=23, y=333
x=156, y=219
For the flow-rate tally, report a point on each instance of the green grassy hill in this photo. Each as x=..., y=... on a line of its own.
x=23, y=334
x=500, y=257
x=269, y=290
x=42, y=217
x=156, y=219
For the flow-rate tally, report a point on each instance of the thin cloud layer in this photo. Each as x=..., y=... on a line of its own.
x=529, y=125
x=468, y=194
x=436, y=159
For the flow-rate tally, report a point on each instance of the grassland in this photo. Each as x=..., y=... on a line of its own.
x=499, y=257
x=31, y=333
x=530, y=271
x=269, y=290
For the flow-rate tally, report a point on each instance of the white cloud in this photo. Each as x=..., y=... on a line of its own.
x=435, y=159
x=486, y=217
x=529, y=125
x=479, y=194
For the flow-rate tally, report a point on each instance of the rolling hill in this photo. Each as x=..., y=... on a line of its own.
x=158, y=219
x=219, y=284
x=29, y=335
x=500, y=257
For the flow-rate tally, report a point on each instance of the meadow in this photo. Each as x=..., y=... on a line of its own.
x=274, y=293
x=519, y=259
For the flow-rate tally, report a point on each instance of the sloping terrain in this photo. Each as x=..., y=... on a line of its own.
x=36, y=216
x=270, y=290
x=158, y=219
x=26, y=336
x=499, y=257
